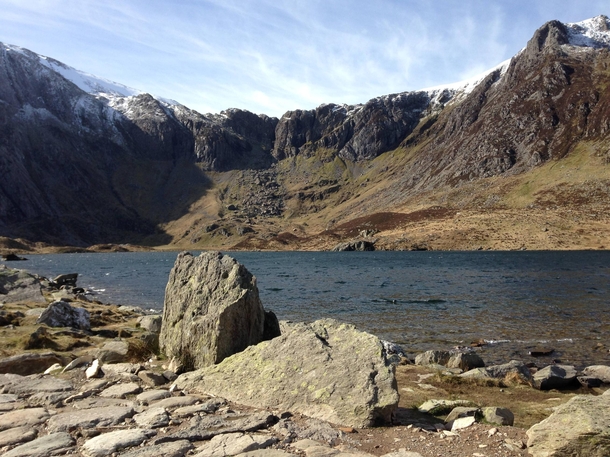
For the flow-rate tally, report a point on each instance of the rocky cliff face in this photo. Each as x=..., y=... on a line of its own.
x=72, y=162
x=86, y=165
x=552, y=95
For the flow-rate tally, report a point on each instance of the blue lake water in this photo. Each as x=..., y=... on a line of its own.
x=423, y=300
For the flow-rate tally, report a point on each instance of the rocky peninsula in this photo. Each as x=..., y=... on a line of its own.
x=218, y=375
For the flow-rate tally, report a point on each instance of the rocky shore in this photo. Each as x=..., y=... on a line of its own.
x=218, y=375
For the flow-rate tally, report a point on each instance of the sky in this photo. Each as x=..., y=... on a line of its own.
x=272, y=56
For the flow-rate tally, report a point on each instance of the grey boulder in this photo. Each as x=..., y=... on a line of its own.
x=327, y=370
x=555, y=377
x=465, y=361
x=53, y=444
x=212, y=310
x=514, y=367
x=62, y=314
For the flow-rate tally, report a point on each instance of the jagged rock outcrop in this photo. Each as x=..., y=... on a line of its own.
x=535, y=109
x=352, y=132
x=19, y=285
x=327, y=370
x=211, y=310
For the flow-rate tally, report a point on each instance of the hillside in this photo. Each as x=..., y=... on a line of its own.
x=515, y=159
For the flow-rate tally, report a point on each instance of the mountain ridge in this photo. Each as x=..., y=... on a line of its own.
x=166, y=175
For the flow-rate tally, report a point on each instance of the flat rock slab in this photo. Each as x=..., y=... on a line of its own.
x=151, y=378
x=27, y=385
x=97, y=402
x=235, y=443
x=48, y=445
x=108, y=443
x=17, y=435
x=23, y=417
x=205, y=428
x=48, y=398
x=8, y=398
x=171, y=449
x=89, y=418
x=121, y=390
x=265, y=453
x=29, y=363
x=152, y=418
x=208, y=407
x=176, y=402
x=111, y=369
x=344, y=377
x=149, y=396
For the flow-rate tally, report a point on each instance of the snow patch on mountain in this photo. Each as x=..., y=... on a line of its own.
x=591, y=33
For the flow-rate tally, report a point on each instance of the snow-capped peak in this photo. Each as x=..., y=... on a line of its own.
x=94, y=85
x=592, y=33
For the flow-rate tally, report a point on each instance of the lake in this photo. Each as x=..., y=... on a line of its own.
x=516, y=301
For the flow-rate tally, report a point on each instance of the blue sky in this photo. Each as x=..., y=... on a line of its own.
x=271, y=56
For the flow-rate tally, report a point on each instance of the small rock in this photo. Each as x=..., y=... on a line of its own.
x=150, y=396
x=52, y=444
x=121, y=390
x=78, y=362
x=23, y=417
x=150, y=323
x=432, y=358
x=107, y=443
x=465, y=361
x=17, y=435
x=462, y=411
x=462, y=422
x=171, y=449
x=54, y=369
x=152, y=418
x=152, y=379
x=555, y=377
x=94, y=370
x=498, y=416
x=114, y=351
x=437, y=407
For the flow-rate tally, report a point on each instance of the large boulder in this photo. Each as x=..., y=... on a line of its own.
x=579, y=427
x=327, y=370
x=62, y=314
x=211, y=311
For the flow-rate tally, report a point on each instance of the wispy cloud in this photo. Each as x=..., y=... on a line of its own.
x=276, y=55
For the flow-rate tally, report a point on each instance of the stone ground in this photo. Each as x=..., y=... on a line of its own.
x=125, y=414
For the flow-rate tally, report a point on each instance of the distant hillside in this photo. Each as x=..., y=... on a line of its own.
x=517, y=158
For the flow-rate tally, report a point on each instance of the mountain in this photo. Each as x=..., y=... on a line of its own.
x=515, y=158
